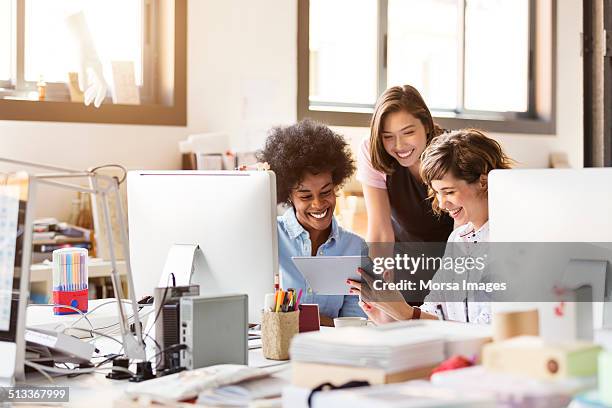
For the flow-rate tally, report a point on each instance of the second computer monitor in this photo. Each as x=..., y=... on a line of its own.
x=231, y=215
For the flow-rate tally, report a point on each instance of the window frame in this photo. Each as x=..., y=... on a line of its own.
x=539, y=119
x=151, y=112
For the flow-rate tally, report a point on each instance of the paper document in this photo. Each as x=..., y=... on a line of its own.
x=327, y=275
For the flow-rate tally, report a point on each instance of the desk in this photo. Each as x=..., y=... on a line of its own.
x=96, y=390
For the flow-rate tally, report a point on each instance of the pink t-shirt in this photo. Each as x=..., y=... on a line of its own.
x=367, y=174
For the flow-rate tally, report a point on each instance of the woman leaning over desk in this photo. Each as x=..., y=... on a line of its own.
x=388, y=169
x=455, y=167
x=311, y=163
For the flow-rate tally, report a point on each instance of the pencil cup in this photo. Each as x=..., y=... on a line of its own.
x=70, y=276
x=277, y=330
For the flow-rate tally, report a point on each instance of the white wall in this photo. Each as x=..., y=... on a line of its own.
x=242, y=80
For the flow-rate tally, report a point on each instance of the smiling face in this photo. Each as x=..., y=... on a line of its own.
x=404, y=137
x=464, y=202
x=314, y=200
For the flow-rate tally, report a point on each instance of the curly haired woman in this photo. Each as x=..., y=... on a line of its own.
x=311, y=163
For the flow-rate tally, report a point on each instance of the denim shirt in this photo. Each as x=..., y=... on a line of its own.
x=294, y=240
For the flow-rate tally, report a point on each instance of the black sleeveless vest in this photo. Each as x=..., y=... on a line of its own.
x=411, y=214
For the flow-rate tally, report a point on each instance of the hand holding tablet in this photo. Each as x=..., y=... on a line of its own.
x=327, y=275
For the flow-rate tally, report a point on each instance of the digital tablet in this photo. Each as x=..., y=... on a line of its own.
x=327, y=275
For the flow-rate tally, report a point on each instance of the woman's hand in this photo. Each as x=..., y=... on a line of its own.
x=394, y=306
x=375, y=314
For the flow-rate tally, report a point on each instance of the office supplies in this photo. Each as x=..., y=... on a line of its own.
x=70, y=284
x=392, y=349
x=537, y=358
x=243, y=393
x=214, y=329
x=238, y=251
x=63, y=348
x=309, y=317
x=453, y=363
x=277, y=330
x=512, y=390
x=350, y=321
x=515, y=323
x=459, y=339
x=189, y=384
x=167, y=325
x=102, y=315
x=270, y=302
x=327, y=275
x=533, y=219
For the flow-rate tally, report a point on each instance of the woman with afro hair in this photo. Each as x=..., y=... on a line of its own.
x=311, y=163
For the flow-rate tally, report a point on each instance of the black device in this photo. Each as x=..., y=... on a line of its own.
x=167, y=330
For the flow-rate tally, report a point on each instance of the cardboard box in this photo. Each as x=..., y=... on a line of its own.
x=537, y=358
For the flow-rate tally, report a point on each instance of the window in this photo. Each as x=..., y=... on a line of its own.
x=49, y=47
x=36, y=45
x=482, y=63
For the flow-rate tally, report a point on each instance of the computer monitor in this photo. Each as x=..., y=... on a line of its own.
x=14, y=274
x=231, y=215
x=556, y=205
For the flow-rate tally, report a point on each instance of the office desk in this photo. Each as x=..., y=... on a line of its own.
x=97, y=391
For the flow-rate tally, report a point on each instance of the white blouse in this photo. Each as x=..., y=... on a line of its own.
x=473, y=308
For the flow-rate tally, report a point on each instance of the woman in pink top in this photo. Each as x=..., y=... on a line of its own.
x=388, y=169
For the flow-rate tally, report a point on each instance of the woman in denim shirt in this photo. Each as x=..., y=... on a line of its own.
x=311, y=163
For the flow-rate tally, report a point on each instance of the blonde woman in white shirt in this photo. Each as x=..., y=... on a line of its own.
x=455, y=167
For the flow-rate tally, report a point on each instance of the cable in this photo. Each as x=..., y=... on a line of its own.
x=64, y=306
x=64, y=371
x=179, y=346
x=117, y=166
x=161, y=306
x=92, y=332
x=129, y=317
x=35, y=366
x=89, y=312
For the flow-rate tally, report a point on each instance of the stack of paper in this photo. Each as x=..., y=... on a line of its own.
x=244, y=393
x=391, y=350
x=460, y=339
x=517, y=390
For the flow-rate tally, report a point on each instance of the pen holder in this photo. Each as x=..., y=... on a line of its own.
x=277, y=330
x=76, y=298
x=70, y=285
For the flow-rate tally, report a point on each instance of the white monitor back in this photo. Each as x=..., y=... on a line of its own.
x=551, y=205
x=231, y=215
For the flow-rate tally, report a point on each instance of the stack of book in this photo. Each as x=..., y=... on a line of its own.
x=364, y=354
x=50, y=234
